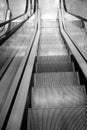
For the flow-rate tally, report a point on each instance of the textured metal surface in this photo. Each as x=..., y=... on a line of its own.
x=53, y=59
x=62, y=78
x=52, y=52
x=57, y=119
x=51, y=24
x=58, y=96
x=49, y=15
x=51, y=44
x=50, y=37
x=46, y=46
x=54, y=67
x=58, y=100
x=49, y=31
x=53, y=41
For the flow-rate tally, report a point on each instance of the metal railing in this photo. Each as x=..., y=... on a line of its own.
x=7, y=111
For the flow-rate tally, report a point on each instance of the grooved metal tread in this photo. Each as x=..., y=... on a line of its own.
x=45, y=34
x=57, y=119
x=58, y=96
x=53, y=59
x=48, y=24
x=60, y=78
x=49, y=31
x=52, y=52
x=49, y=11
x=54, y=67
x=54, y=22
x=51, y=46
x=51, y=36
x=49, y=16
x=52, y=42
x=50, y=49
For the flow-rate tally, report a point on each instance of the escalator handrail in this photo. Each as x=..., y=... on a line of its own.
x=8, y=21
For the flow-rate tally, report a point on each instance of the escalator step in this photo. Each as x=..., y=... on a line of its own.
x=54, y=67
x=49, y=16
x=57, y=119
x=52, y=52
x=49, y=11
x=58, y=96
x=61, y=78
x=51, y=42
x=53, y=59
x=46, y=35
x=50, y=37
x=49, y=31
x=50, y=23
x=51, y=47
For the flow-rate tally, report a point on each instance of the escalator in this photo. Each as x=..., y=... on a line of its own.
x=41, y=86
x=58, y=100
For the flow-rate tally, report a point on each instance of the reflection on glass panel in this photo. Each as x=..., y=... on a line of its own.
x=78, y=31
x=78, y=7
x=3, y=8
x=17, y=7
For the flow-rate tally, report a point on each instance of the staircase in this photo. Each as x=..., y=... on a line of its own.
x=57, y=97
